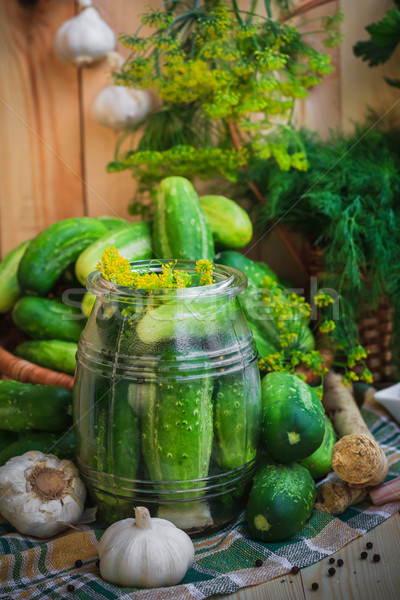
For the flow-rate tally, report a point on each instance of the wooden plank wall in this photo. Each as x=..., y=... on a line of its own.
x=53, y=154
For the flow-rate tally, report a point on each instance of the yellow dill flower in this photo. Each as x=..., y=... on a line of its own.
x=327, y=327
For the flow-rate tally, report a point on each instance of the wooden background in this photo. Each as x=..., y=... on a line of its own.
x=53, y=154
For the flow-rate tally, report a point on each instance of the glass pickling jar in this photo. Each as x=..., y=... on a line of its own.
x=167, y=405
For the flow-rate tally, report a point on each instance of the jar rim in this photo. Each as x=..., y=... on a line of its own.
x=230, y=282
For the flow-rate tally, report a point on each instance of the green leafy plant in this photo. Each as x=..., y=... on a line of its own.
x=383, y=41
x=347, y=203
x=227, y=80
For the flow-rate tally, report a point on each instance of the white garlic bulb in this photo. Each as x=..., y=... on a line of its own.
x=120, y=107
x=84, y=39
x=145, y=552
x=39, y=494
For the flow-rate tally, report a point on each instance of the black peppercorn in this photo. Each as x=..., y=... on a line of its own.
x=332, y=571
x=70, y=587
x=295, y=570
x=376, y=557
x=259, y=562
x=369, y=545
x=331, y=560
x=339, y=562
x=364, y=554
x=78, y=563
x=314, y=586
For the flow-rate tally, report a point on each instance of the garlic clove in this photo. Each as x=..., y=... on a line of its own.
x=120, y=107
x=84, y=39
x=39, y=494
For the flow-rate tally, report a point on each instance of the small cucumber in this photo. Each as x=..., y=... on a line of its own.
x=111, y=222
x=237, y=415
x=7, y=438
x=52, y=354
x=319, y=462
x=230, y=225
x=46, y=318
x=61, y=445
x=180, y=227
x=9, y=287
x=88, y=301
x=132, y=240
x=172, y=320
x=25, y=406
x=177, y=431
x=280, y=501
x=293, y=419
x=50, y=252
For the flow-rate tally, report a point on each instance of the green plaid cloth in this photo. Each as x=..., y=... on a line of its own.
x=224, y=562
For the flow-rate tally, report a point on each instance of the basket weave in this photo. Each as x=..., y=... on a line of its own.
x=375, y=324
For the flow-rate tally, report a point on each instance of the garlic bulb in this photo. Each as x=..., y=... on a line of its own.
x=39, y=494
x=145, y=552
x=120, y=107
x=84, y=39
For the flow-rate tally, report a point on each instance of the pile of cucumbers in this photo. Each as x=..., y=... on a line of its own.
x=185, y=226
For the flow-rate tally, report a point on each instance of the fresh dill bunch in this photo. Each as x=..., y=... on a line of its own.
x=347, y=203
x=227, y=80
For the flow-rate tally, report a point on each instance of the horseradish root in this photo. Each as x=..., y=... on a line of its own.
x=341, y=407
x=359, y=460
x=356, y=458
x=335, y=496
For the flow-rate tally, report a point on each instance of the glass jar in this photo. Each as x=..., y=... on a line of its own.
x=167, y=403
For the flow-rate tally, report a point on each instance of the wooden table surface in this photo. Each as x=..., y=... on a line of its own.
x=357, y=579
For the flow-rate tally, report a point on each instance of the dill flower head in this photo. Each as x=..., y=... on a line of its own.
x=115, y=268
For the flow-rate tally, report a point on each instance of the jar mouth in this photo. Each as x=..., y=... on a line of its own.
x=228, y=281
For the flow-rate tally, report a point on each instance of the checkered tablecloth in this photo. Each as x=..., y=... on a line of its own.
x=224, y=562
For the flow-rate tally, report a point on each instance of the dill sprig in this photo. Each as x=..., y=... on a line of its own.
x=295, y=319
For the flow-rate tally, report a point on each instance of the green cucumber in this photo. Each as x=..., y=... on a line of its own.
x=88, y=301
x=281, y=500
x=111, y=222
x=46, y=318
x=132, y=240
x=319, y=462
x=254, y=271
x=124, y=452
x=264, y=345
x=265, y=328
x=177, y=432
x=180, y=227
x=230, y=225
x=189, y=319
x=50, y=252
x=293, y=419
x=61, y=445
x=237, y=414
x=52, y=354
x=7, y=438
x=25, y=406
x=9, y=287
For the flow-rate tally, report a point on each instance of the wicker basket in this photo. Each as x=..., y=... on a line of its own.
x=374, y=326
